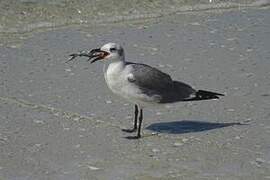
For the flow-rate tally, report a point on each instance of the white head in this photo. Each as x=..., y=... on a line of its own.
x=108, y=52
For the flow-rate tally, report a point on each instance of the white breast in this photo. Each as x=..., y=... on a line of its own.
x=116, y=77
x=113, y=76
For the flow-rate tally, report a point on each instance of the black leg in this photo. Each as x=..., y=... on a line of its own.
x=139, y=129
x=140, y=123
x=135, y=116
x=135, y=121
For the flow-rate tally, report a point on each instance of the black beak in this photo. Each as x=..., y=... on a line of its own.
x=94, y=55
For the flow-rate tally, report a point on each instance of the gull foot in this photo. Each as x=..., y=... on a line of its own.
x=133, y=137
x=129, y=130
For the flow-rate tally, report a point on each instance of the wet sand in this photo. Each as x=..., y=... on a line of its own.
x=60, y=121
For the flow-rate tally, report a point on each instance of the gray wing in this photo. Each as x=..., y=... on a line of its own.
x=149, y=78
x=155, y=82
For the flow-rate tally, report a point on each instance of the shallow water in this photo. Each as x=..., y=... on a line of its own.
x=20, y=16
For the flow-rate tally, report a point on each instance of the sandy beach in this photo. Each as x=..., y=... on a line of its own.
x=59, y=121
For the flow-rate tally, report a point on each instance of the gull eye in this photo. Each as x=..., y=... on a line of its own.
x=112, y=49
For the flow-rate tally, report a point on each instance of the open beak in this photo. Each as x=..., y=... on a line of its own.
x=94, y=55
x=97, y=54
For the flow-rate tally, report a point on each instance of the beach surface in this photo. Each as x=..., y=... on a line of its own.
x=59, y=120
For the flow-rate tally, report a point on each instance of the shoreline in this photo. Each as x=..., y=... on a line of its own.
x=26, y=26
x=13, y=39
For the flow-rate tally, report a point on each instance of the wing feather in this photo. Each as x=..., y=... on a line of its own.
x=154, y=82
x=150, y=78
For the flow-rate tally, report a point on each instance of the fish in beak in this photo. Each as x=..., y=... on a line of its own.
x=94, y=55
x=97, y=54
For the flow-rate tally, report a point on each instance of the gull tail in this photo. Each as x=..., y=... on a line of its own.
x=204, y=95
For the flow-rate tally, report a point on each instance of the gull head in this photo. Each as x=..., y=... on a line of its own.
x=108, y=52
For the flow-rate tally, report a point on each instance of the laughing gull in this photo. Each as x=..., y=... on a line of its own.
x=141, y=84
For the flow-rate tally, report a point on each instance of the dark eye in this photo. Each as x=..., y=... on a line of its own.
x=113, y=49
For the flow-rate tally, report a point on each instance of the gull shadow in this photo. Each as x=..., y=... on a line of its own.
x=181, y=127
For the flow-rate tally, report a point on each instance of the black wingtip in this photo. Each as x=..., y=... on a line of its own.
x=202, y=94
